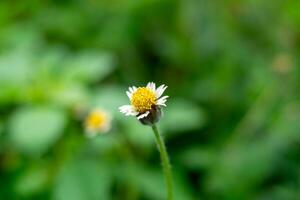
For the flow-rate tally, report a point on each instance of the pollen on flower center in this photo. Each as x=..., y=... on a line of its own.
x=95, y=119
x=143, y=99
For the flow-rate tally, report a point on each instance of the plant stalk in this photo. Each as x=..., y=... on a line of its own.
x=165, y=162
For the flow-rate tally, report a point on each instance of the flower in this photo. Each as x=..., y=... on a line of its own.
x=145, y=102
x=97, y=121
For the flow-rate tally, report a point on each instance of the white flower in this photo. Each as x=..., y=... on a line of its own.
x=144, y=100
x=97, y=121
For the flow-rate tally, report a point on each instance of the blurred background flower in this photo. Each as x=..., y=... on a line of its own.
x=97, y=121
x=232, y=125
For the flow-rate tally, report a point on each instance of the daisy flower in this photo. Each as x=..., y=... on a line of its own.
x=97, y=121
x=146, y=103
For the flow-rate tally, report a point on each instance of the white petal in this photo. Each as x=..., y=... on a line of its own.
x=106, y=128
x=143, y=115
x=128, y=110
x=160, y=90
x=129, y=94
x=130, y=91
x=125, y=108
x=162, y=101
x=164, y=98
x=161, y=104
x=151, y=86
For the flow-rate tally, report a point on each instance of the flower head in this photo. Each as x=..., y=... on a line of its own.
x=97, y=121
x=145, y=102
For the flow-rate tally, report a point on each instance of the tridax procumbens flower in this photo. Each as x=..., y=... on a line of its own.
x=97, y=121
x=145, y=102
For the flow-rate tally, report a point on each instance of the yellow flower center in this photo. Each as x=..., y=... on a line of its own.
x=95, y=120
x=143, y=99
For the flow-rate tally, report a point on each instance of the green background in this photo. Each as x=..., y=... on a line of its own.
x=232, y=124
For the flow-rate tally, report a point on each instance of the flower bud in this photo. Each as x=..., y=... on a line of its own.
x=153, y=117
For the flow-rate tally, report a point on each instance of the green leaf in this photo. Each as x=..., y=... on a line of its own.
x=181, y=115
x=69, y=95
x=89, y=66
x=15, y=68
x=110, y=98
x=139, y=134
x=197, y=158
x=104, y=142
x=83, y=180
x=34, y=130
x=151, y=183
x=15, y=73
x=31, y=182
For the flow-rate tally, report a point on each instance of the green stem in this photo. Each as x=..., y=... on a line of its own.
x=165, y=162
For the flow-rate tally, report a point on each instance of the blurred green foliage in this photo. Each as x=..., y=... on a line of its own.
x=232, y=122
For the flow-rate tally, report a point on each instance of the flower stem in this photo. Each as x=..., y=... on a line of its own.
x=165, y=162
